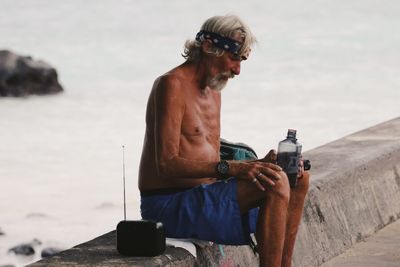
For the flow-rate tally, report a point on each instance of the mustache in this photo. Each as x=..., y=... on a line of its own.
x=226, y=75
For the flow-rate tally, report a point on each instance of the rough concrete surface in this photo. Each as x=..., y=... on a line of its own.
x=102, y=251
x=381, y=249
x=355, y=191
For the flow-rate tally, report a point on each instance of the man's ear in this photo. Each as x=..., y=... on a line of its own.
x=206, y=46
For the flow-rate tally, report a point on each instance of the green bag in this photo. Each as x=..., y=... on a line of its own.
x=236, y=151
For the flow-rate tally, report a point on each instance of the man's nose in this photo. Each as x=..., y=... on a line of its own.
x=236, y=68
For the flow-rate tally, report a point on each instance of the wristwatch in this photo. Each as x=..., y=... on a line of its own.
x=222, y=168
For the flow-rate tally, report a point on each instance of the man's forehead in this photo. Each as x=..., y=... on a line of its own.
x=240, y=36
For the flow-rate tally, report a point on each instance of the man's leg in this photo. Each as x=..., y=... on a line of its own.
x=295, y=211
x=272, y=217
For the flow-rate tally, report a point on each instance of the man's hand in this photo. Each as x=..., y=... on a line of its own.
x=272, y=157
x=300, y=170
x=260, y=173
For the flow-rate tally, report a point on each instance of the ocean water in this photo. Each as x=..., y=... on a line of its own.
x=325, y=68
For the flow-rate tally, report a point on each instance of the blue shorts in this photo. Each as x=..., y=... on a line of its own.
x=207, y=212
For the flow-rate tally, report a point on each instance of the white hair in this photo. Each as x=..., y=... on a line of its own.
x=227, y=26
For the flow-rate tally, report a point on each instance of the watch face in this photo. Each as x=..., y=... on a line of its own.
x=223, y=167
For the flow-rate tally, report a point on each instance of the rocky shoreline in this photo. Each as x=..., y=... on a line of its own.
x=26, y=251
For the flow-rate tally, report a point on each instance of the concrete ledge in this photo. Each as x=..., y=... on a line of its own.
x=354, y=192
x=101, y=251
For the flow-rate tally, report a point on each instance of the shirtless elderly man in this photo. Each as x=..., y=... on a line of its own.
x=183, y=182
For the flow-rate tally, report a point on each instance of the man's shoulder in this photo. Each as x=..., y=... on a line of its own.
x=169, y=80
x=168, y=87
x=173, y=80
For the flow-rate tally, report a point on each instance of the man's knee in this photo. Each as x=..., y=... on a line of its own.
x=281, y=190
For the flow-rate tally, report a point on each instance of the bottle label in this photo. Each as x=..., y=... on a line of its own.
x=288, y=161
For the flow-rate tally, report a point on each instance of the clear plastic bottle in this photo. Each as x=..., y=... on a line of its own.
x=289, y=153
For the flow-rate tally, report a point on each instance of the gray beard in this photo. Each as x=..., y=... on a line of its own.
x=218, y=82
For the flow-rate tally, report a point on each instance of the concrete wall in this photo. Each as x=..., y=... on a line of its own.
x=354, y=192
x=102, y=252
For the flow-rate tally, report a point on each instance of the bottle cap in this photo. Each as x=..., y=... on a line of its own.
x=291, y=133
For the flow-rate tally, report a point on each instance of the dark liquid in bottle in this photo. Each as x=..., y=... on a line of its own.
x=289, y=163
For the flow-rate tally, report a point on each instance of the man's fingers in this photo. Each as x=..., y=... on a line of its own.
x=257, y=183
x=272, y=173
x=300, y=171
x=270, y=182
x=272, y=166
x=271, y=156
x=300, y=168
x=266, y=178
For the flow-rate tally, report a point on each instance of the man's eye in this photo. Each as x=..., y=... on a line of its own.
x=236, y=57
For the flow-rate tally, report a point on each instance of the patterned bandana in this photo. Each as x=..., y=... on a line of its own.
x=219, y=41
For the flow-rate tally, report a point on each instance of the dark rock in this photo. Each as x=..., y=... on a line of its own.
x=50, y=251
x=2, y=232
x=25, y=249
x=21, y=76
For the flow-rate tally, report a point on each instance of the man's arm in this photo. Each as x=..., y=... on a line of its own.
x=169, y=112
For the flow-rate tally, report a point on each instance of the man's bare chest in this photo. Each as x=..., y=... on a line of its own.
x=201, y=118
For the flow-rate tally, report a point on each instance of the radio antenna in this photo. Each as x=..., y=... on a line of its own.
x=123, y=175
